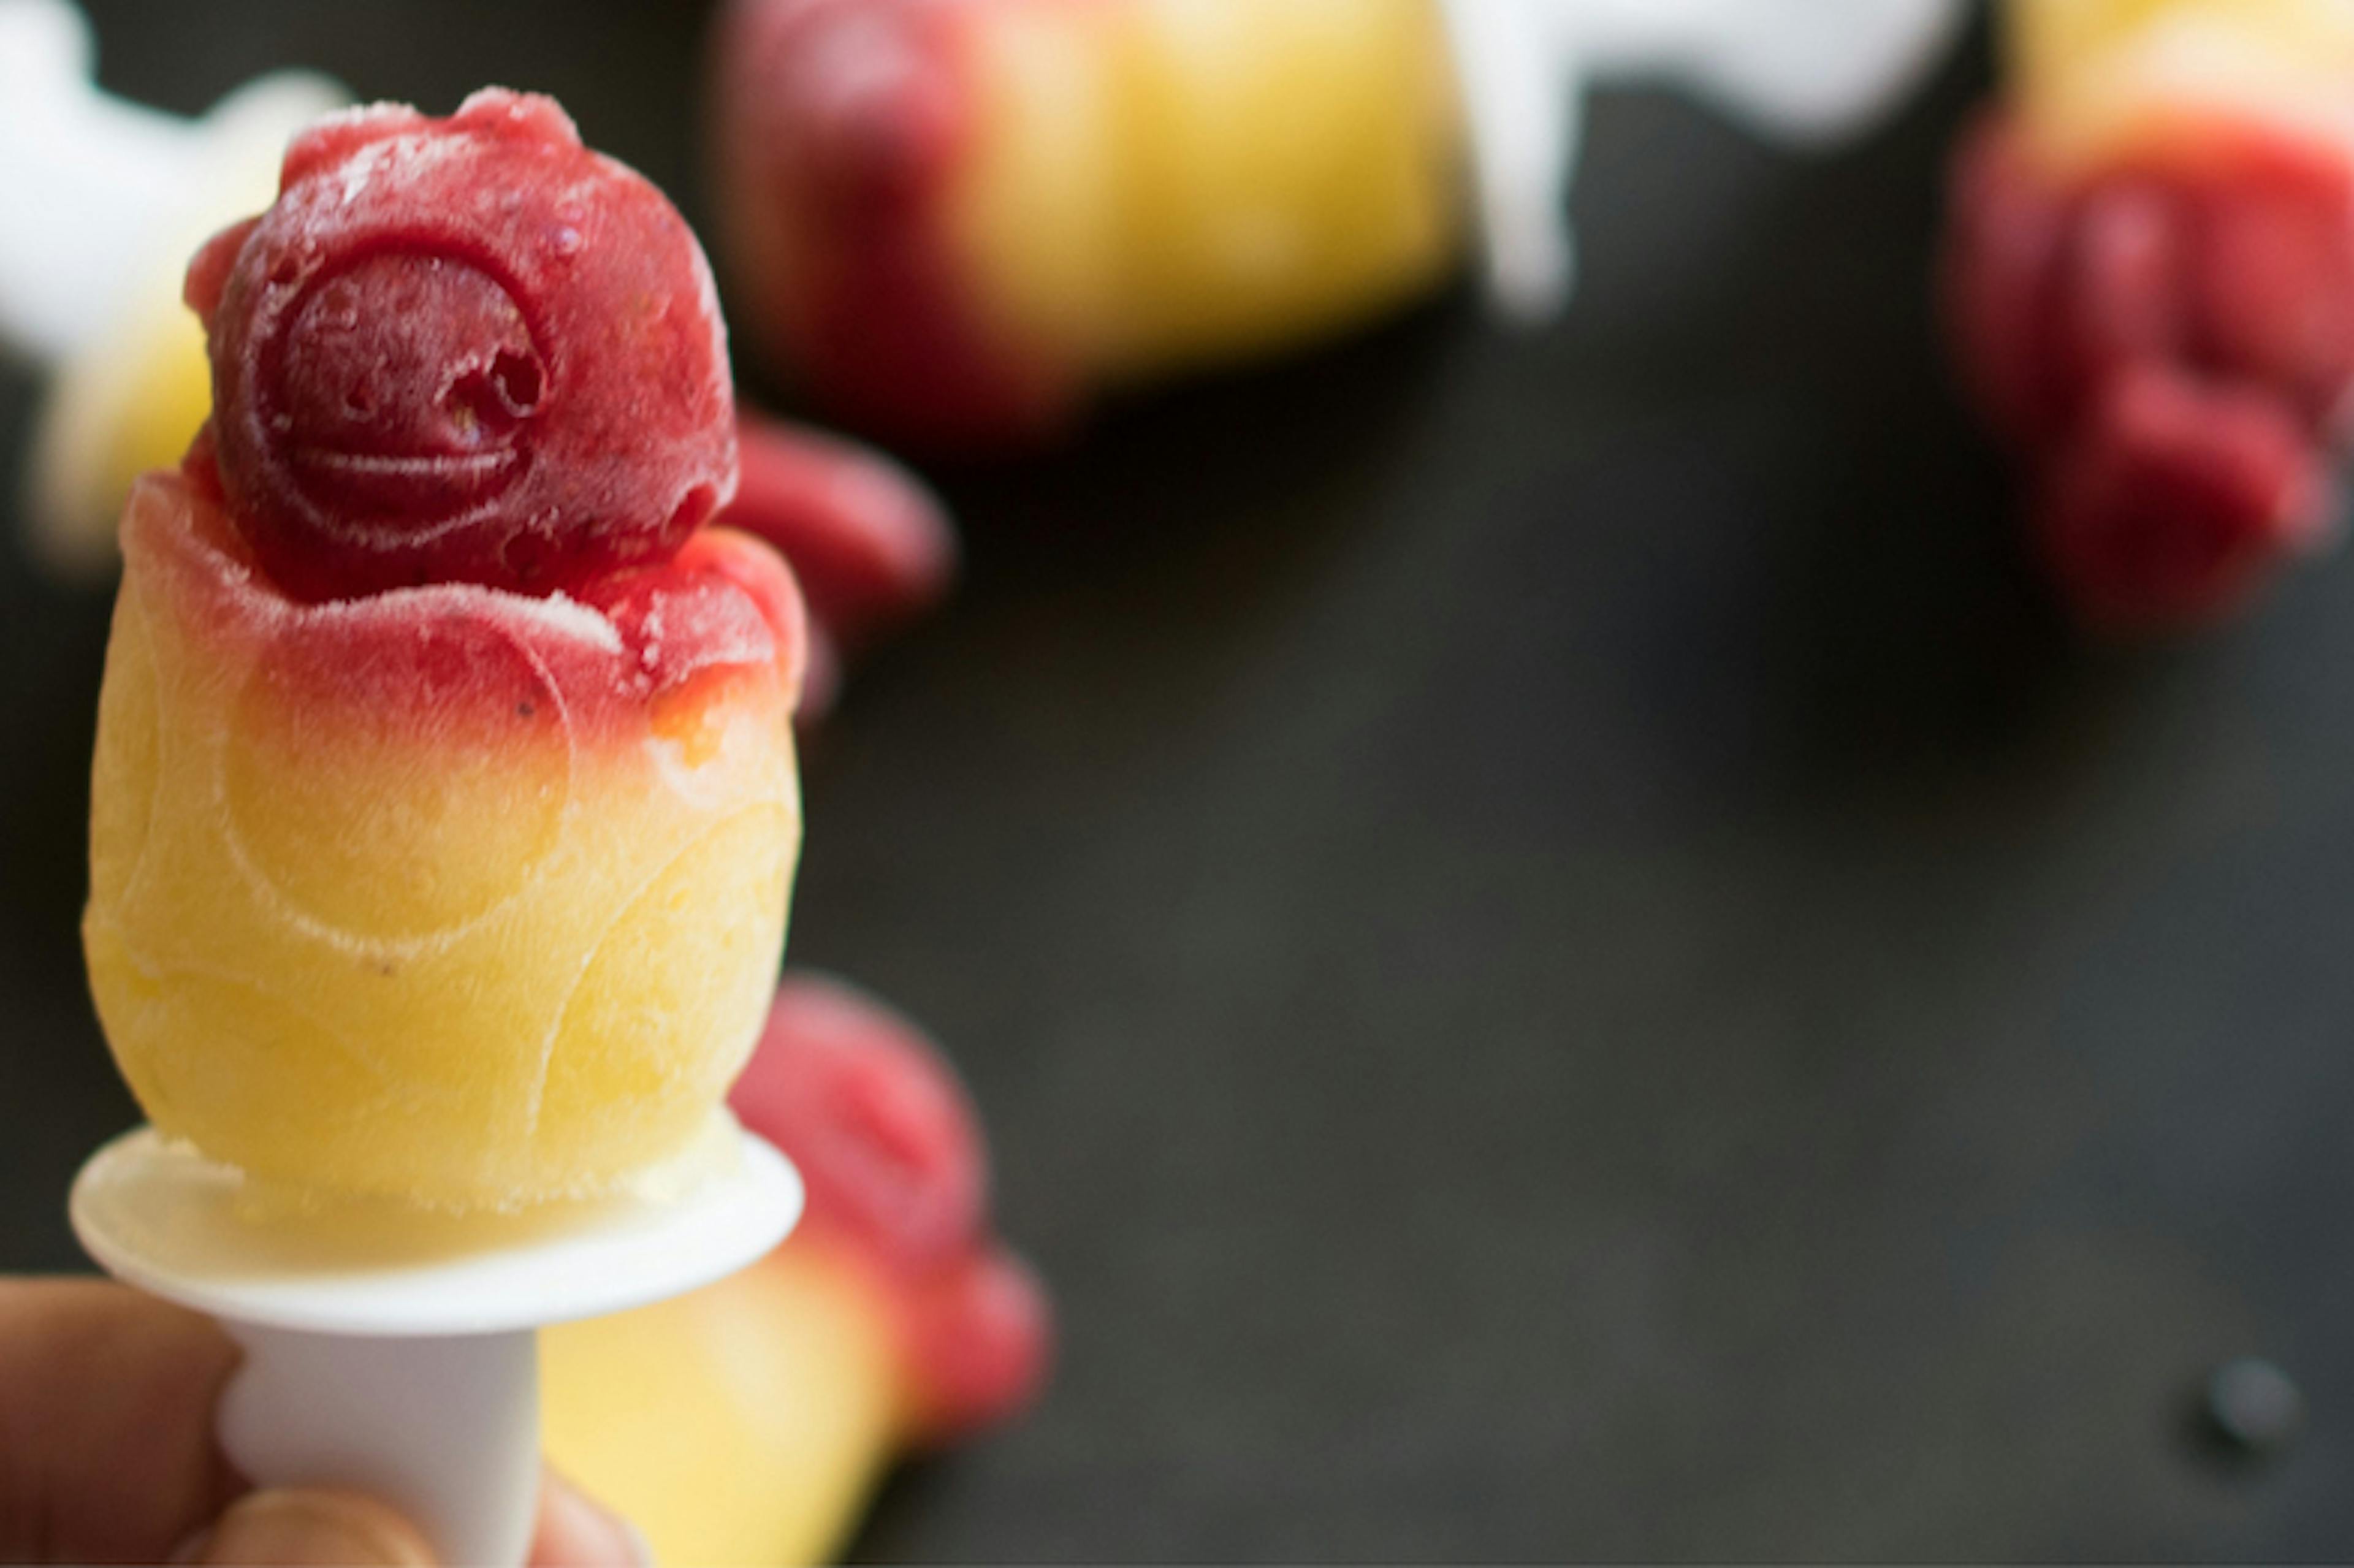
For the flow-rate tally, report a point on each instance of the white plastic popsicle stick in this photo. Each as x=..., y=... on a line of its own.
x=1802, y=71
x=445, y=1430
x=392, y=1350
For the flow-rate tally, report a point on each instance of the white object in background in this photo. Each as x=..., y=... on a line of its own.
x=105, y=200
x=392, y=1350
x=1801, y=71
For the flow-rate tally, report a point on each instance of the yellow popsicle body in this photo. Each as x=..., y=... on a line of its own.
x=435, y=895
x=747, y=1423
x=1163, y=182
x=2092, y=76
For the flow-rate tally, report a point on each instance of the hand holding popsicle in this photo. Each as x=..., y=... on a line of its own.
x=108, y=1455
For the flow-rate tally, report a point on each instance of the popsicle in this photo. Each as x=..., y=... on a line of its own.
x=106, y=200
x=2149, y=280
x=750, y=1421
x=870, y=545
x=444, y=806
x=957, y=218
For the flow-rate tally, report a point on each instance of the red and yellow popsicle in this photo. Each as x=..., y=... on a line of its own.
x=444, y=806
x=2149, y=278
x=955, y=215
x=751, y=1421
x=957, y=219
x=870, y=545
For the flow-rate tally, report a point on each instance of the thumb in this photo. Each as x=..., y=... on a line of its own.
x=313, y=1528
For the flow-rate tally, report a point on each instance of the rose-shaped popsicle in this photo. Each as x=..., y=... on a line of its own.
x=2149, y=278
x=444, y=808
x=750, y=1421
x=957, y=218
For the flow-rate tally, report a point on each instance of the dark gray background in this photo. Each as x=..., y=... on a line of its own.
x=1564, y=956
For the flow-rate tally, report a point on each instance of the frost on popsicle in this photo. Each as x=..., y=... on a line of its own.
x=2149, y=280
x=466, y=351
x=444, y=806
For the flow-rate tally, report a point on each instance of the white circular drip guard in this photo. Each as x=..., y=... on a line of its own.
x=392, y=1351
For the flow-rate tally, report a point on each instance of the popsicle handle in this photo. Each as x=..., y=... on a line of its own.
x=1803, y=70
x=445, y=1429
x=1806, y=71
x=404, y=1363
x=1524, y=118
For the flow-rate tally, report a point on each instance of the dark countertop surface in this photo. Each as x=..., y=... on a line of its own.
x=1563, y=956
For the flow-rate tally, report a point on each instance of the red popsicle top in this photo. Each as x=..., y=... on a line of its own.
x=897, y=1175
x=462, y=350
x=2168, y=339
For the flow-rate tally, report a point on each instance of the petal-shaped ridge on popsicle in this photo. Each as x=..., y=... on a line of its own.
x=456, y=681
x=463, y=350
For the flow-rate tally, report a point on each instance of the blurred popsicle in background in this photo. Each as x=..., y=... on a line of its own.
x=105, y=201
x=956, y=219
x=750, y=1422
x=2149, y=283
